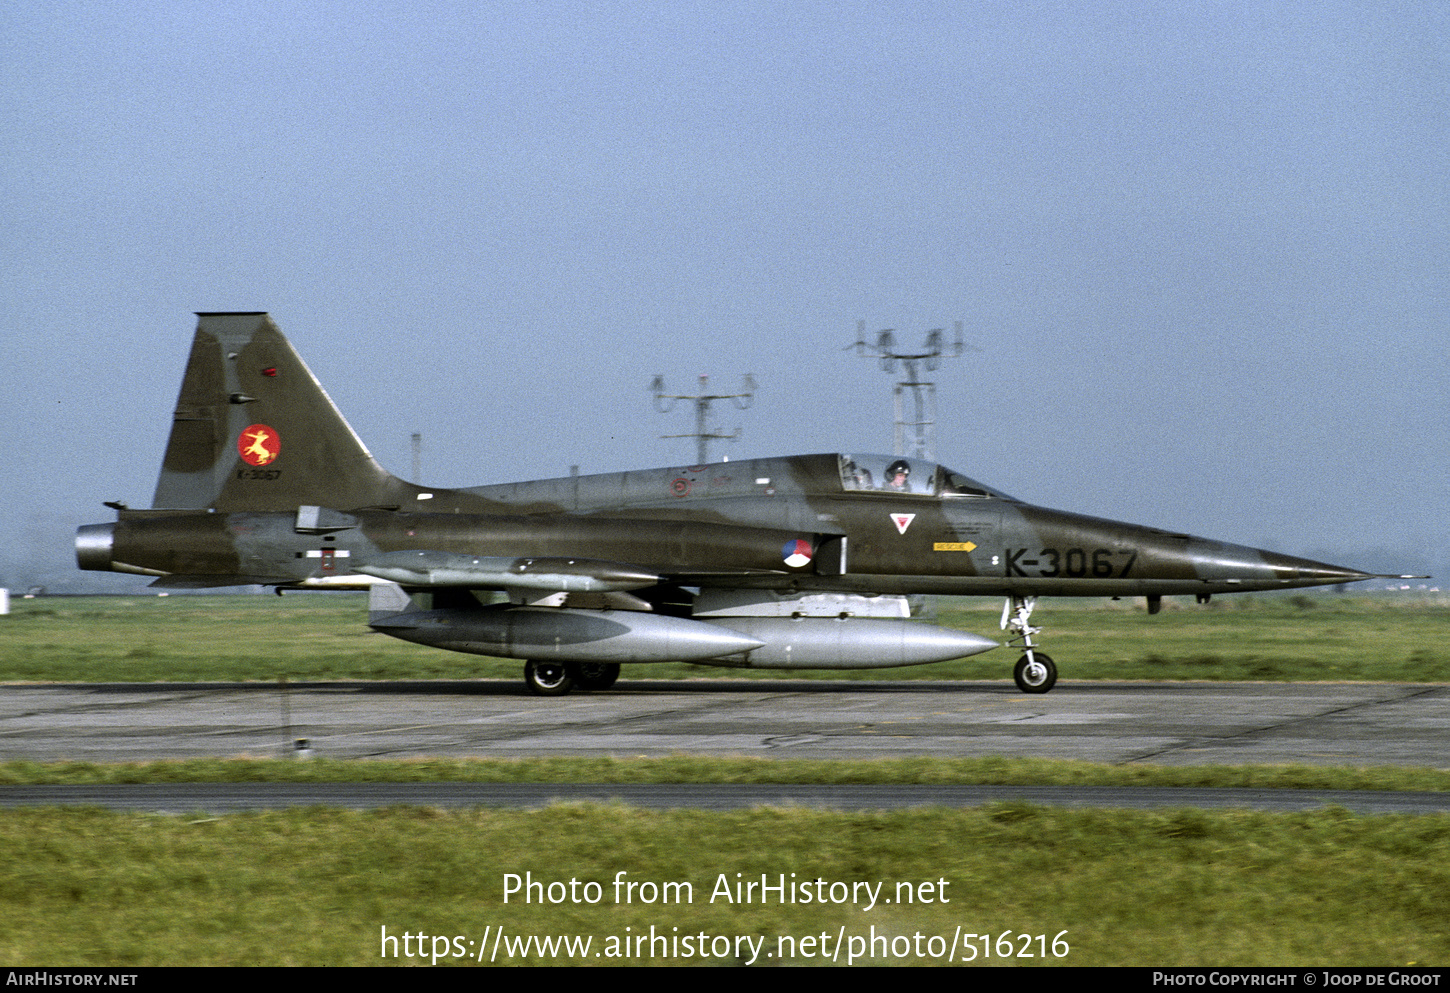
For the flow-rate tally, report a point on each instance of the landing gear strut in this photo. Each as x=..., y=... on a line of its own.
x=1035, y=671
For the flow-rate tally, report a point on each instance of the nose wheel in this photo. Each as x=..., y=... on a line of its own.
x=1035, y=671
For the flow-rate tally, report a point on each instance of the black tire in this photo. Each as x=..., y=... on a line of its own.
x=594, y=675
x=548, y=678
x=1037, y=678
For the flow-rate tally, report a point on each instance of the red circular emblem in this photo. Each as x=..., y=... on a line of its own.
x=259, y=444
x=680, y=487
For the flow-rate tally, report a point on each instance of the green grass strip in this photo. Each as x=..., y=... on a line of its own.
x=684, y=769
x=1119, y=887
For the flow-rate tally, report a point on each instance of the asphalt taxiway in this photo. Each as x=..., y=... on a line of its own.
x=1359, y=724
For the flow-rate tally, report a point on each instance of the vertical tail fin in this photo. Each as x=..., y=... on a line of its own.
x=255, y=431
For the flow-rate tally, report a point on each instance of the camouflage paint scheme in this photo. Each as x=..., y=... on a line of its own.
x=801, y=561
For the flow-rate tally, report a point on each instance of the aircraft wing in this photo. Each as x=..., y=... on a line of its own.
x=425, y=568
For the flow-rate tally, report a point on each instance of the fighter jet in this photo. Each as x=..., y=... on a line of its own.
x=805, y=562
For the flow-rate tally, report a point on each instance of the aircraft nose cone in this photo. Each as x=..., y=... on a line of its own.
x=1255, y=568
x=1306, y=572
x=1318, y=572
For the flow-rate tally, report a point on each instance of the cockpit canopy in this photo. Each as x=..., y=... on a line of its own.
x=899, y=474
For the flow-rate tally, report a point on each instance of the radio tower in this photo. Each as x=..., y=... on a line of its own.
x=923, y=393
x=702, y=401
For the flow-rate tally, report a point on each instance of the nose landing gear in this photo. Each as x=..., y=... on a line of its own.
x=1035, y=671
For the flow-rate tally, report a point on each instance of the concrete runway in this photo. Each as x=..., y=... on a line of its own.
x=1119, y=723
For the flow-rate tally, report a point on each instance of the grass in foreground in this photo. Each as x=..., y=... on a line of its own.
x=685, y=769
x=317, y=886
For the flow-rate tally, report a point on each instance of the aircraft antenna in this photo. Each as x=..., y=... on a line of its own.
x=665, y=402
x=923, y=393
x=417, y=457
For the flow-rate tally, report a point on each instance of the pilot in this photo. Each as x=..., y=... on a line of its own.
x=898, y=475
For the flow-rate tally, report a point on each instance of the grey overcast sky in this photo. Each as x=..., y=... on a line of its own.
x=1202, y=247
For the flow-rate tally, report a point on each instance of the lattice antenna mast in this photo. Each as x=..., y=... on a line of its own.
x=923, y=393
x=665, y=402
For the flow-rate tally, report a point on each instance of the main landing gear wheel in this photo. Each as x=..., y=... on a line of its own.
x=548, y=678
x=1035, y=673
x=594, y=675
